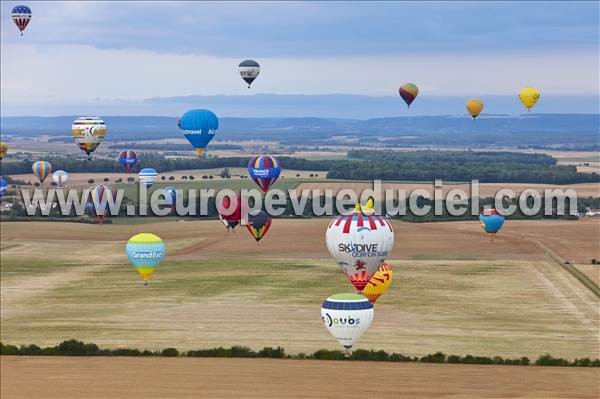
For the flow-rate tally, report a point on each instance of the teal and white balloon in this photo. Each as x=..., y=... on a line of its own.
x=347, y=317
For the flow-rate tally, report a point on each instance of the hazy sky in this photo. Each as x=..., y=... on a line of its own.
x=79, y=52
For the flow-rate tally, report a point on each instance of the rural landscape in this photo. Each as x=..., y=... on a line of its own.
x=479, y=254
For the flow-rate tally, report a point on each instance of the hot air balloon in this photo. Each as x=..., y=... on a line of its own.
x=145, y=251
x=147, y=176
x=41, y=169
x=88, y=132
x=170, y=194
x=3, y=149
x=259, y=223
x=529, y=96
x=199, y=127
x=100, y=197
x=3, y=187
x=408, y=92
x=128, y=159
x=21, y=15
x=379, y=283
x=347, y=317
x=474, y=106
x=249, y=70
x=264, y=170
x=232, y=219
x=360, y=241
x=60, y=177
x=491, y=221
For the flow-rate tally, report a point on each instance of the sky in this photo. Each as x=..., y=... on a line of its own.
x=75, y=56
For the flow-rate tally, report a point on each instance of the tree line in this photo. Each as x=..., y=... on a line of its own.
x=74, y=347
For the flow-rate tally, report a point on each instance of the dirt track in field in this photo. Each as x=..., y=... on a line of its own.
x=129, y=378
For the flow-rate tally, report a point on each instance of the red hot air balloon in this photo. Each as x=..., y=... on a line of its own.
x=230, y=220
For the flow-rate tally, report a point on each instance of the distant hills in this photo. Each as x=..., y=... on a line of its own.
x=529, y=130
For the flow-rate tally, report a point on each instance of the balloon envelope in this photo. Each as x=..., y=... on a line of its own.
x=379, y=283
x=21, y=15
x=232, y=217
x=3, y=149
x=3, y=187
x=264, y=170
x=474, y=106
x=249, y=70
x=199, y=127
x=60, y=177
x=128, y=159
x=408, y=92
x=347, y=317
x=41, y=169
x=360, y=243
x=145, y=251
x=101, y=196
x=88, y=132
x=259, y=223
x=491, y=221
x=147, y=176
x=529, y=96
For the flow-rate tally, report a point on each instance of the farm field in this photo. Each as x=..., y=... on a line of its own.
x=454, y=290
x=95, y=378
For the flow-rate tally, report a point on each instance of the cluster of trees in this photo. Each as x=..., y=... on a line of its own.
x=487, y=167
x=77, y=348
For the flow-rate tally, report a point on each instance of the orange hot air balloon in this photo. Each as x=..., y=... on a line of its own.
x=474, y=106
x=379, y=283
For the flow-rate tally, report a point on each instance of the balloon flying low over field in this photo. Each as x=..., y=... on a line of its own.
x=379, y=283
x=491, y=221
x=3, y=187
x=199, y=127
x=259, y=223
x=88, y=132
x=128, y=159
x=360, y=241
x=147, y=176
x=264, y=170
x=3, y=149
x=41, y=169
x=249, y=70
x=145, y=251
x=231, y=218
x=347, y=317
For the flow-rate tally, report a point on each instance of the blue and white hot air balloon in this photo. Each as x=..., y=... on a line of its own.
x=21, y=15
x=199, y=127
x=147, y=176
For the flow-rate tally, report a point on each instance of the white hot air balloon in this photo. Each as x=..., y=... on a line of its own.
x=60, y=177
x=347, y=317
x=360, y=242
x=249, y=70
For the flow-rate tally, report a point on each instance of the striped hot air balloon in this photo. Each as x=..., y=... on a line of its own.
x=264, y=170
x=21, y=15
x=41, y=169
x=88, y=132
x=347, y=317
x=259, y=223
x=147, y=176
x=360, y=241
x=379, y=283
x=408, y=92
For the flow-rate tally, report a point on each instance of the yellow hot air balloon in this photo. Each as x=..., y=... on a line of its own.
x=3, y=149
x=379, y=283
x=474, y=106
x=529, y=96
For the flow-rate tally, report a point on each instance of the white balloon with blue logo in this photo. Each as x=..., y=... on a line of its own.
x=347, y=317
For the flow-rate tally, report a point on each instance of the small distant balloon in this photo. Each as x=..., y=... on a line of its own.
x=408, y=92
x=199, y=128
x=41, y=169
x=88, y=132
x=101, y=196
x=491, y=221
x=147, y=176
x=529, y=96
x=249, y=70
x=264, y=170
x=128, y=159
x=170, y=194
x=3, y=149
x=259, y=223
x=474, y=106
x=21, y=15
x=3, y=187
x=60, y=177
x=145, y=251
